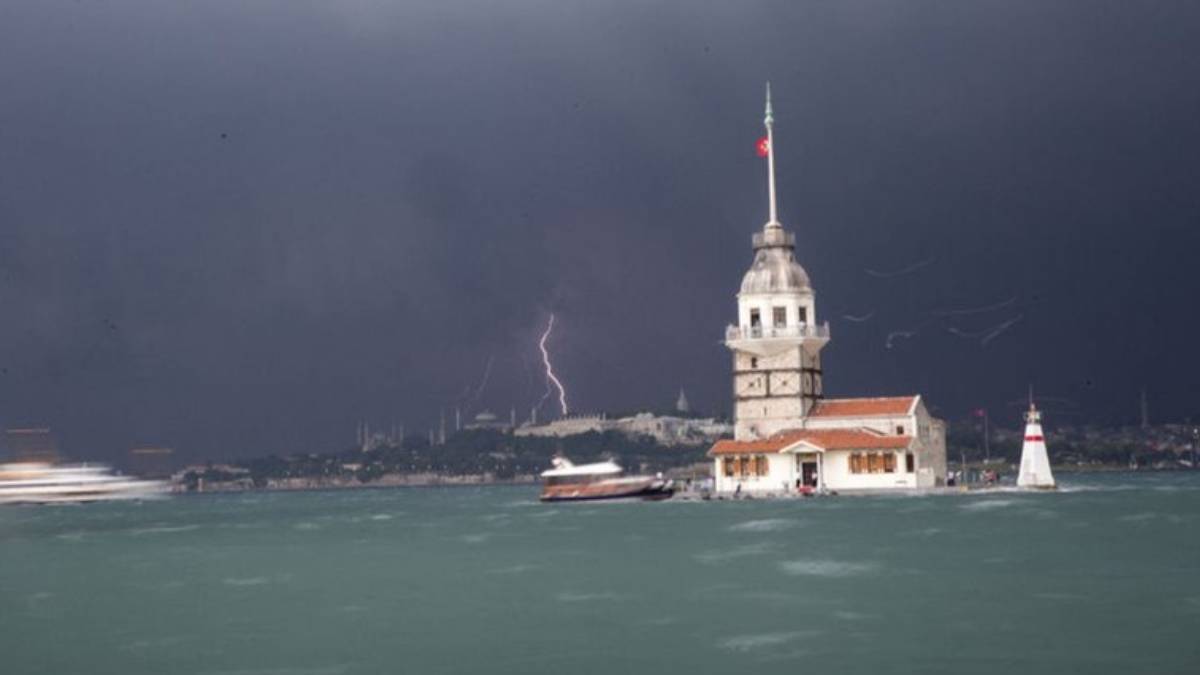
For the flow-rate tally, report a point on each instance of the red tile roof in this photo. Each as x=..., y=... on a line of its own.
x=826, y=439
x=863, y=407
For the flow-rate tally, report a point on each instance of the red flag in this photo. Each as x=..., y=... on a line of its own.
x=763, y=146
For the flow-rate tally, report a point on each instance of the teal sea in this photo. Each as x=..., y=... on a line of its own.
x=1101, y=577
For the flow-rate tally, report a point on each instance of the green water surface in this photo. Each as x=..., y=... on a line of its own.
x=1101, y=577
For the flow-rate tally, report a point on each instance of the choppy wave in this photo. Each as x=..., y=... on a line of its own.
x=847, y=615
x=246, y=581
x=1138, y=517
x=827, y=568
x=764, y=525
x=284, y=670
x=574, y=596
x=163, y=529
x=988, y=504
x=1059, y=596
x=747, y=643
x=513, y=569
x=728, y=554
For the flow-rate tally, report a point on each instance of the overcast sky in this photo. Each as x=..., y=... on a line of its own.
x=235, y=228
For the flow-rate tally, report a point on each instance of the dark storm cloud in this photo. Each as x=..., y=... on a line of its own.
x=239, y=228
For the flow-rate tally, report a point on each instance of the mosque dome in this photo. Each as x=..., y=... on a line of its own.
x=775, y=270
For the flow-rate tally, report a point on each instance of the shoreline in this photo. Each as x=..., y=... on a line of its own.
x=473, y=480
x=386, y=481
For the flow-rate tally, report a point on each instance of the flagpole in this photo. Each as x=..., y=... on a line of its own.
x=987, y=447
x=769, y=122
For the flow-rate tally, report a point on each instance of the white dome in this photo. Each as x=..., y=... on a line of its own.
x=775, y=270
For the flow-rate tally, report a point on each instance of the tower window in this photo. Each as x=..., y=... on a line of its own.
x=755, y=319
x=899, y=429
x=779, y=315
x=802, y=313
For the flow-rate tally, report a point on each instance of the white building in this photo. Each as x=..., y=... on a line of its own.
x=786, y=434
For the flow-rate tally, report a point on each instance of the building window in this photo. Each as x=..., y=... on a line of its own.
x=755, y=319
x=779, y=315
x=744, y=466
x=874, y=465
x=856, y=463
x=760, y=466
x=753, y=361
x=910, y=462
x=889, y=462
x=730, y=464
x=899, y=429
x=802, y=314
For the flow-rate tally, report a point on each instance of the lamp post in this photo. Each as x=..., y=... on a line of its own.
x=1195, y=441
x=987, y=447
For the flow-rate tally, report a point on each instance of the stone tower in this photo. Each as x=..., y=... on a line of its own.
x=776, y=342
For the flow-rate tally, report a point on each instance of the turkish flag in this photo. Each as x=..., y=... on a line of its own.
x=763, y=146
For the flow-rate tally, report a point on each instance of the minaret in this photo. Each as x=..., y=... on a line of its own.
x=681, y=403
x=1035, y=464
x=777, y=341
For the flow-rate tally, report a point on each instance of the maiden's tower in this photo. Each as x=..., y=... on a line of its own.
x=787, y=435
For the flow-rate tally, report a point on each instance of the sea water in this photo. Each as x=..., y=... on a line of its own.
x=1102, y=576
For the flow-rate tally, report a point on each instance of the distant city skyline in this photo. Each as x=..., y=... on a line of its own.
x=235, y=232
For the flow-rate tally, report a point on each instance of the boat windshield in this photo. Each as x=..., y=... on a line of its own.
x=579, y=478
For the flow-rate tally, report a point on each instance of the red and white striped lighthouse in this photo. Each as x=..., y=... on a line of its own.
x=1035, y=464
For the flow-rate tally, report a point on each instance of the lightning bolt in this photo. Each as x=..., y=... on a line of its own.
x=550, y=376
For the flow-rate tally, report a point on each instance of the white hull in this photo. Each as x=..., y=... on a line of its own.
x=46, y=484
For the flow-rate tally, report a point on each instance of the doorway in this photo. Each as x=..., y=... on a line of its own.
x=808, y=474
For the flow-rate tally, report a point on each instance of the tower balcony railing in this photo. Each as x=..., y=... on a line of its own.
x=776, y=237
x=801, y=330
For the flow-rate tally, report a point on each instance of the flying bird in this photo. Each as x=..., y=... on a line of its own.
x=900, y=272
x=975, y=310
x=898, y=334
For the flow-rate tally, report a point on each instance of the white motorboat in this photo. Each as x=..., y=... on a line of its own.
x=42, y=483
x=568, y=482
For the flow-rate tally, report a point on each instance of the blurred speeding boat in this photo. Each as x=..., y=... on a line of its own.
x=567, y=482
x=40, y=483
